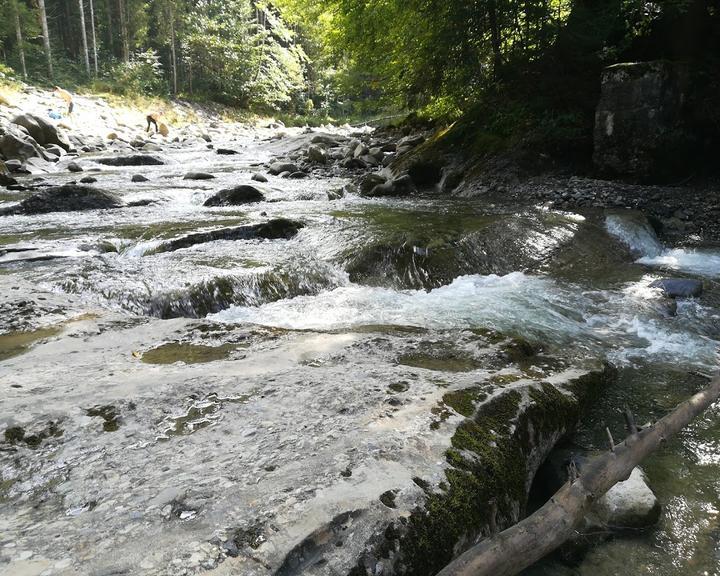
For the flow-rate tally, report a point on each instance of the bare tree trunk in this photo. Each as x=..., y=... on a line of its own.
x=19, y=36
x=46, y=36
x=522, y=545
x=124, y=31
x=94, y=41
x=83, y=34
x=173, y=53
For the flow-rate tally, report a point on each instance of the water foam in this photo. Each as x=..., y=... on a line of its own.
x=619, y=324
x=637, y=234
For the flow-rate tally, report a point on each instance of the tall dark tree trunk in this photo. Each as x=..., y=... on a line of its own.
x=46, y=36
x=495, y=38
x=19, y=36
x=83, y=37
x=110, y=27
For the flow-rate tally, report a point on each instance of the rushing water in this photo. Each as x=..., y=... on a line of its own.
x=575, y=284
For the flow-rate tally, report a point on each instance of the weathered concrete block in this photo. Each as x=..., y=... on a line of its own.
x=640, y=122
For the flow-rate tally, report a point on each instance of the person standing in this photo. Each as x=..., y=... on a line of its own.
x=65, y=95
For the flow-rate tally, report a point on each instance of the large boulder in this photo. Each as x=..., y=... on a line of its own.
x=641, y=127
x=242, y=194
x=67, y=198
x=42, y=131
x=17, y=144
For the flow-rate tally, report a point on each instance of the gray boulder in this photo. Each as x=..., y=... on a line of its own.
x=67, y=198
x=368, y=181
x=138, y=178
x=42, y=131
x=277, y=168
x=17, y=144
x=198, y=176
x=74, y=167
x=242, y=194
x=325, y=140
x=257, y=177
x=317, y=154
x=679, y=287
x=629, y=504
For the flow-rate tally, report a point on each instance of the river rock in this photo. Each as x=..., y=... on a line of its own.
x=67, y=198
x=6, y=180
x=88, y=180
x=139, y=178
x=629, y=504
x=679, y=287
x=325, y=140
x=74, y=167
x=257, y=177
x=280, y=228
x=277, y=168
x=226, y=152
x=42, y=131
x=17, y=144
x=402, y=186
x=368, y=181
x=317, y=154
x=132, y=160
x=198, y=176
x=242, y=194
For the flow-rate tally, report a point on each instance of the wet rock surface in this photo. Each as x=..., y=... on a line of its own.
x=67, y=198
x=238, y=195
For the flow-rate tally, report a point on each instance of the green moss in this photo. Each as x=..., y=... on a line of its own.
x=187, y=353
x=488, y=460
x=464, y=401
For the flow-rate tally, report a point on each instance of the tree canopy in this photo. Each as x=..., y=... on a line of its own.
x=344, y=56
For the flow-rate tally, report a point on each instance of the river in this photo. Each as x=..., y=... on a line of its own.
x=577, y=285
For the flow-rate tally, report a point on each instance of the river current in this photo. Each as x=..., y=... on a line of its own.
x=575, y=283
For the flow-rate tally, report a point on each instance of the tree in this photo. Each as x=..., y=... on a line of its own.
x=46, y=36
x=19, y=36
x=83, y=34
x=94, y=41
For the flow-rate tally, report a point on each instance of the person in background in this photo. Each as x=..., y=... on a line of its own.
x=154, y=119
x=65, y=95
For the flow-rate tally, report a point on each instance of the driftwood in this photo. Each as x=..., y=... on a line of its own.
x=523, y=544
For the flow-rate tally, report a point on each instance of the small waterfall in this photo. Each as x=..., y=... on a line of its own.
x=635, y=232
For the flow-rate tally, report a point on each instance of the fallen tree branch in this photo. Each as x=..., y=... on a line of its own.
x=523, y=544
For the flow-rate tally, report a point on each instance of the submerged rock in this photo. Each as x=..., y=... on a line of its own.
x=132, y=160
x=242, y=194
x=67, y=198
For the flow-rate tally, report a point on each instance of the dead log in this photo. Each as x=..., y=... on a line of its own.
x=523, y=544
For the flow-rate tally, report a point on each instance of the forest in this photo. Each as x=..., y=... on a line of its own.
x=336, y=58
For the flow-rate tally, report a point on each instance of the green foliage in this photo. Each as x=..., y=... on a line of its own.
x=142, y=74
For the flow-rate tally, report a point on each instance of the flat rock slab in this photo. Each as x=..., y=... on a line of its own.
x=67, y=198
x=290, y=452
